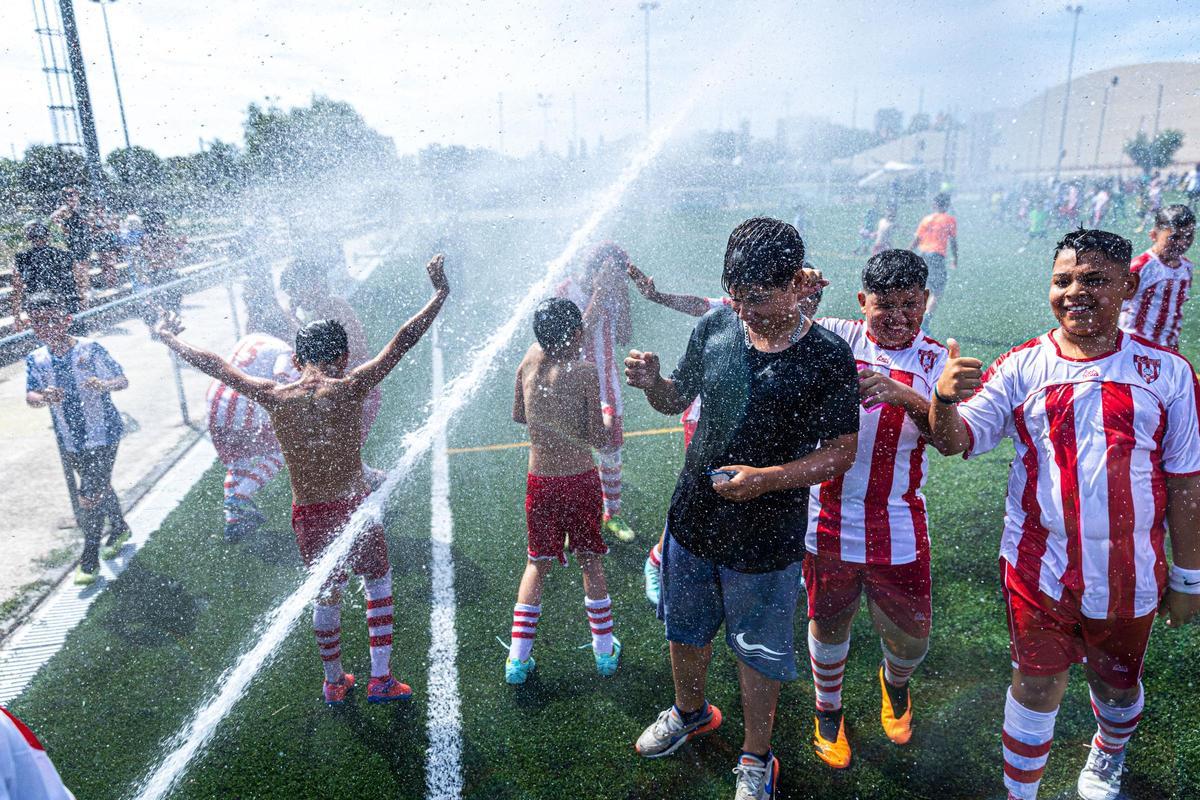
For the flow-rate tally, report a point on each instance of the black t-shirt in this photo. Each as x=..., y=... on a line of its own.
x=759, y=409
x=48, y=269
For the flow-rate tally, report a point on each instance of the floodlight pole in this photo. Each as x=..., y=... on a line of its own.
x=1062, y=130
x=647, y=7
x=113, y=60
x=1103, y=113
x=83, y=100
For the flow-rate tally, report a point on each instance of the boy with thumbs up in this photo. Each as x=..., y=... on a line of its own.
x=1107, y=459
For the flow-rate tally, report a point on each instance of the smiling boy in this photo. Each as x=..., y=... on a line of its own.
x=1155, y=311
x=1107, y=459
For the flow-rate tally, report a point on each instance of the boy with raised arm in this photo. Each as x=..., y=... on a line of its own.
x=1107, y=460
x=780, y=414
x=318, y=421
x=558, y=397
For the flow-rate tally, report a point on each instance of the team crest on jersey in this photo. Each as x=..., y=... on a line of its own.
x=1147, y=367
x=927, y=358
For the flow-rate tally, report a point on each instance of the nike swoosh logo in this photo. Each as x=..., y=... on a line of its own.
x=1191, y=583
x=756, y=650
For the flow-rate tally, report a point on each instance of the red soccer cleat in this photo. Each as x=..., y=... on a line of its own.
x=335, y=693
x=385, y=690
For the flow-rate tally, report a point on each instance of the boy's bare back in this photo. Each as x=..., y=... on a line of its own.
x=560, y=402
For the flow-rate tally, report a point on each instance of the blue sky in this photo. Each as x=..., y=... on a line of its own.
x=425, y=72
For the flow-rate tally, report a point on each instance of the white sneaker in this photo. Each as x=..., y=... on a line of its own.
x=669, y=732
x=1101, y=776
x=756, y=780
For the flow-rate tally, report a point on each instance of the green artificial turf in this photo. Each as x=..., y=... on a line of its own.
x=155, y=643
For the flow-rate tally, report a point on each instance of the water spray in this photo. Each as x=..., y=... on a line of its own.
x=273, y=628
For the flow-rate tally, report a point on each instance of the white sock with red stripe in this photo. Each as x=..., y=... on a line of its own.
x=244, y=477
x=656, y=555
x=327, y=625
x=610, y=481
x=379, y=623
x=1028, y=735
x=828, y=666
x=601, y=620
x=897, y=670
x=524, y=628
x=1115, y=724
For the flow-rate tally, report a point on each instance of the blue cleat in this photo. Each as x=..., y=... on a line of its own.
x=516, y=672
x=606, y=665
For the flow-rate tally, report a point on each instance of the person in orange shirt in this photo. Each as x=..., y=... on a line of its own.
x=937, y=236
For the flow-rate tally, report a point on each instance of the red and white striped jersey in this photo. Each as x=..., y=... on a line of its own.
x=692, y=414
x=1096, y=440
x=1155, y=312
x=875, y=513
x=260, y=356
x=25, y=769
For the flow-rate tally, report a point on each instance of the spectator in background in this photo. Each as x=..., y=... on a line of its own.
x=70, y=216
x=133, y=230
x=1191, y=186
x=937, y=237
x=161, y=251
x=74, y=378
x=43, y=269
x=25, y=770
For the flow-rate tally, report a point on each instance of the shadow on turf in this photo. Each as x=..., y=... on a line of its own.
x=150, y=609
x=387, y=729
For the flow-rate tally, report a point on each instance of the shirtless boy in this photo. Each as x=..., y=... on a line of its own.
x=558, y=397
x=318, y=421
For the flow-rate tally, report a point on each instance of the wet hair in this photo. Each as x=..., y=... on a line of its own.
x=606, y=251
x=36, y=229
x=894, y=269
x=941, y=201
x=1174, y=217
x=1113, y=246
x=321, y=342
x=555, y=322
x=762, y=252
x=44, y=301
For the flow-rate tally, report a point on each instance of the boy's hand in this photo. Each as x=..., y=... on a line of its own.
x=642, y=370
x=168, y=326
x=747, y=484
x=52, y=394
x=811, y=282
x=1179, y=608
x=875, y=388
x=437, y=273
x=96, y=385
x=643, y=282
x=961, y=377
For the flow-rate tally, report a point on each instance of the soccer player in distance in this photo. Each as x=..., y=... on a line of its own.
x=318, y=421
x=935, y=239
x=867, y=529
x=1155, y=311
x=1107, y=460
x=780, y=414
x=558, y=397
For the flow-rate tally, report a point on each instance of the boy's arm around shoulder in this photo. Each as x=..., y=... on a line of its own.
x=260, y=390
x=368, y=375
x=518, y=411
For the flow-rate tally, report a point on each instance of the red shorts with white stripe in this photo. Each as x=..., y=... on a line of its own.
x=903, y=592
x=564, y=510
x=234, y=443
x=1047, y=636
x=317, y=524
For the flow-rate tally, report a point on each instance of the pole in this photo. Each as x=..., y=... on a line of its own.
x=183, y=407
x=647, y=7
x=113, y=60
x=1157, y=110
x=1062, y=130
x=500, y=119
x=1103, y=113
x=83, y=100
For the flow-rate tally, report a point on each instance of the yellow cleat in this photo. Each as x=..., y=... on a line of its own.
x=835, y=754
x=898, y=729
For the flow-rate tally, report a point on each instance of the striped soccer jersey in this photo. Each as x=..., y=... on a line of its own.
x=875, y=512
x=1096, y=440
x=601, y=345
x=1156, y=311
x=260, y=356
x=25, y=769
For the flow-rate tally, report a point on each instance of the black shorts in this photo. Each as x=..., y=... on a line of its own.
x=95, y=468
x=936, y=282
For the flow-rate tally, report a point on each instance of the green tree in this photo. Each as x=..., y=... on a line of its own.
x=1151, y=154
x=45, y=170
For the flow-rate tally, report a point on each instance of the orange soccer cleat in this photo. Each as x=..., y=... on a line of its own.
x=836, y=753
x=898, y=729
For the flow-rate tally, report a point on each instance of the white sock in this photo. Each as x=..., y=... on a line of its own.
x=897, y=670
x=828, y=668
x=601, y=621
x=524, y=628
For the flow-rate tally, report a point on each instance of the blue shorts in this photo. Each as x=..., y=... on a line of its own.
x=757, y=608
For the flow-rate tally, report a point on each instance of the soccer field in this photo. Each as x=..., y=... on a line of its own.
x=153, y=645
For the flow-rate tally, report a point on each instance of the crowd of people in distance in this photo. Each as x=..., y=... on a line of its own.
x=93, y=236
x=806, y=452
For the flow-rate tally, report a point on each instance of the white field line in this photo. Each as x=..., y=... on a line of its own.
x=443, y=759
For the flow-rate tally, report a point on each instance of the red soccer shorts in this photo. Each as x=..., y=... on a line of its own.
x=1047, y=636
x=903, y=592
x=564, y=509
x=318, y=524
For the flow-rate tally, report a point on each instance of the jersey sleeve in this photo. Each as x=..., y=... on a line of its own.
x=106, y=367
x=989, y=414
x=717, y=302
x=836, y=413
x=689, y=372
x=34, y=380
x=1181, y=443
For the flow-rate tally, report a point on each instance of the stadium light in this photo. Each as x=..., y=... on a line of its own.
x=1062, y=130
x=113, y=60
x=647, y=7
x=1103, y=113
